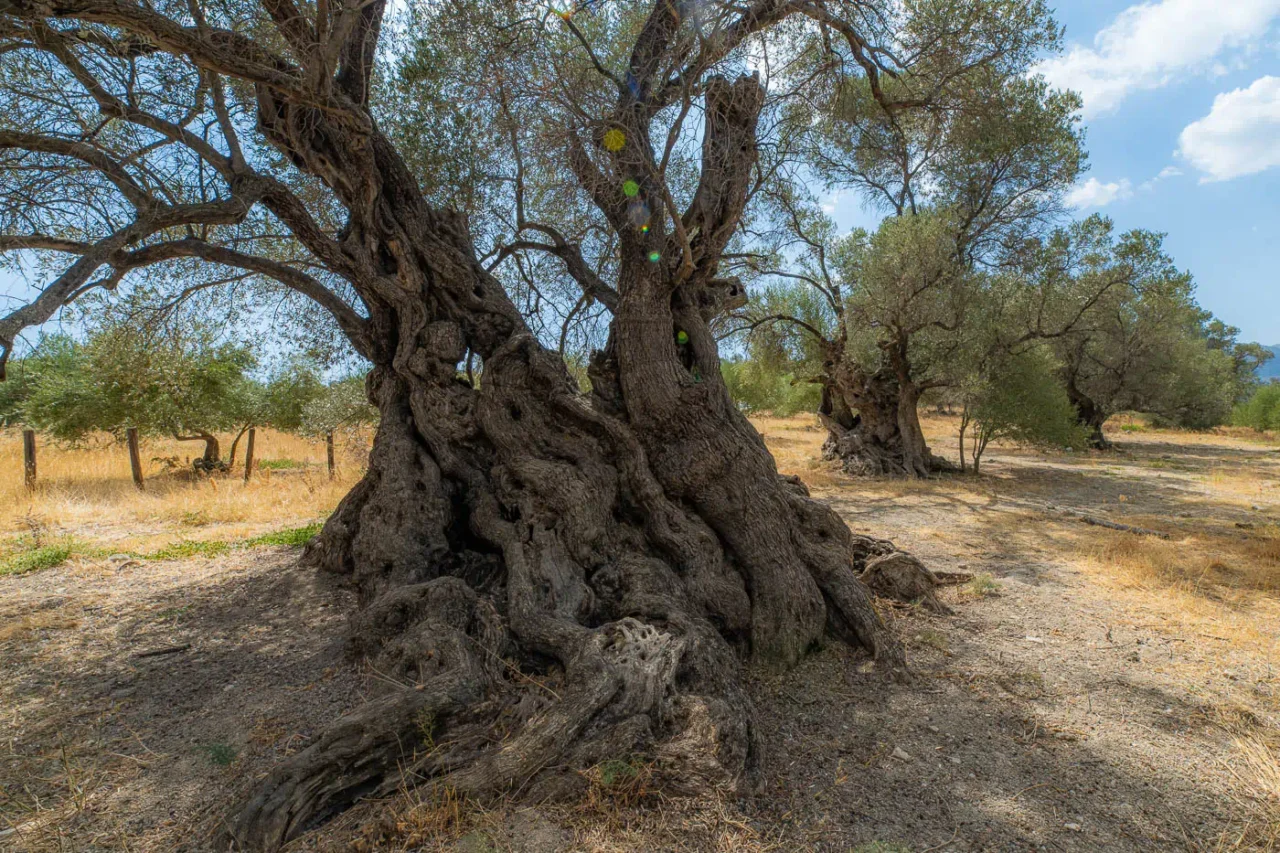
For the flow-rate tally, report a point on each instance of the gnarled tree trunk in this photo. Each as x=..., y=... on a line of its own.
x=211, y=459
x=1090, y=416
x=547, y=580
x=583, y=577
x=873, y=426
x=587, y=580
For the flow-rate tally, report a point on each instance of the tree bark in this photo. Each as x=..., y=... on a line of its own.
x=211, y=459
x=547, y=580
x=235, y=446
x=873, y=426
x=1090, y=416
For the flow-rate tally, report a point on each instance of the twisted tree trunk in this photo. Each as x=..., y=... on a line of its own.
x=1090, y=416
x=586, y=580
x=545, y=580
x=873, y=426
x=211, y=459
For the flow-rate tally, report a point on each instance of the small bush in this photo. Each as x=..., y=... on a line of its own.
x=220, y=754
x=984, y=585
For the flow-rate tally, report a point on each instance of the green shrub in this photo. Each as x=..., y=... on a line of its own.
x=1020, y=400
x=1262, y=411
x=220, y=754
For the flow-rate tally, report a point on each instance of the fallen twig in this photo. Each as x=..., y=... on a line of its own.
x=167, y=650
x=1126, y=528
x=1110, y=525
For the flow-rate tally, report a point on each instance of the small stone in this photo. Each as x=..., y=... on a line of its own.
x=1074, y=827
x=119, y=558
x=955, y=760
x=901, y=754
x=934, y=729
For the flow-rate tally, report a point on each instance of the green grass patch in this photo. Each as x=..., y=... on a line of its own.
x=35, y=559
x=293, y=537
x=617, y=771
x=188, y=548
x=280, y=464
x=21, y=555
x=983, y=585
x=220, y=754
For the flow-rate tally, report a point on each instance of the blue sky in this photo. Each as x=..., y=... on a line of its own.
x=1182, y=106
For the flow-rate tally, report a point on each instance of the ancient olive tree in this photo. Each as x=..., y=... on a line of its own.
x=1142, y=342
x=627, y=549
x=966, y=185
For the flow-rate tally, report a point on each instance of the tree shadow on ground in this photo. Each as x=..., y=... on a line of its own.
x=161, y=744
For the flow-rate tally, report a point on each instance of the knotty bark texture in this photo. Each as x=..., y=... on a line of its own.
x=873, y=425
x=545, y=579
x=549, y=580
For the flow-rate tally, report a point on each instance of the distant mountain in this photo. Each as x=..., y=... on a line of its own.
x=1271, y=370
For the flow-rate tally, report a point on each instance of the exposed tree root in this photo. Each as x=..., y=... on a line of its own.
x=536, y=603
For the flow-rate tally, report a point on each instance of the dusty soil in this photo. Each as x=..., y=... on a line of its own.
x=1061, y=707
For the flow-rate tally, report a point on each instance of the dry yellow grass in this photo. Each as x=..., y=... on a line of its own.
x=1257, y=768
x=88, y=493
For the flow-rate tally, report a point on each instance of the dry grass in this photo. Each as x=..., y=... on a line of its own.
x=1213, y=580
x=1204, y=563
x=1257, y=769
x=88, y=492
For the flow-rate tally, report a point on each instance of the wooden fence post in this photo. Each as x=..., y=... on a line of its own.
x=135, y=459
x=248, y=457
x=328, y=446
x=29, y=458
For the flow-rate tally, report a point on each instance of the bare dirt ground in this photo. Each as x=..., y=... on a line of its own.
x=1094, y=690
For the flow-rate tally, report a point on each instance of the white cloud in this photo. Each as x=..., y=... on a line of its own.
x=1150, y=45
x=1094, y=193
x=1240, y=135
x=1165, y=174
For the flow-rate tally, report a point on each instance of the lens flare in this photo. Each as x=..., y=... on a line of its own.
x=630, y=189
x=655, y=256
x=615, y=140
x=682, y=337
